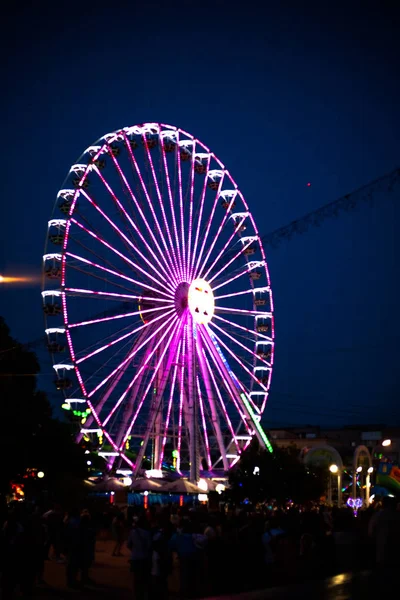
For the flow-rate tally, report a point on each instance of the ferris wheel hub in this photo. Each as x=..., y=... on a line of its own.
x=181, y=298
x=201, y=301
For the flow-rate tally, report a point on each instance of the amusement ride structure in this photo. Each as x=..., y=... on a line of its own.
x=155, y=284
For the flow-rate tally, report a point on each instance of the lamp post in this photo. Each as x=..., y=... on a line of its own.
x=355, y=471
x=368, y=485
x=335, y=470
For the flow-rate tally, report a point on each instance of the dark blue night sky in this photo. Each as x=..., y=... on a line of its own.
x=284, y=95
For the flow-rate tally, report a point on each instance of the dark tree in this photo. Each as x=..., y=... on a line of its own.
x=261, y=476
x=30, y=438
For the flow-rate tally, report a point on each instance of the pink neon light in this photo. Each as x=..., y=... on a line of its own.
x=225, y=246
x=139, y=283
x=171, y=202
x=181, y=381
x=241, y=345
x=235, y=311
x=207, y=445
x=223, y=374
x=230, y=261
x=124, y=237
x=131, y=314
x=181, y=210
x=114, y=295
x=140, y=211
x=171, y=395
x=221, y=402
x=131, y=355
x=240, y=362
x=125, y=258
x=190, y=213
x=203, y=193
x=249, y=291
x=151, y=381
x=208, y=226
x=246, y=271
x=150, y=205
x=256, y=333
x=123, y=337
x=139, y=371
x=216, y=237
x=176, y=270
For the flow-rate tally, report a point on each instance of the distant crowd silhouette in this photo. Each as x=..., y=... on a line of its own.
x=211, y=552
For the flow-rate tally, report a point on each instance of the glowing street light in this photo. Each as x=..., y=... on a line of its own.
x=386, y=443
x=370, y=470
x=334, y=469
x=40, y=474
x=359, y=469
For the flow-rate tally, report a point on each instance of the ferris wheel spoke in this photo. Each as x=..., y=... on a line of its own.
x=147, y=225
x=171, y=203
x=245, y=329
x=116, y=316
x=156, y=401
x=190, y=227
x=221, y=401
x=241, y=311
x=211, y=401
x=133, y=393
x=222, y=252
x=170, y=401
x=181, y=211
x=244, y=271
x=216, y=237
x=126, y=239
x=231, y=382
x=236, y=256
x=208, y=227
x=164, y=351
x=251, y=290
x=114, y=296
x=241, y=363
x=145, y=363
x=122, y=256
x=160, y=200
x=117, y=274
x=203, y=421
x=131, y=355
x=200, y=216
x=123, y=337
x=98, y=407
x=166, y=270
x=248, y=350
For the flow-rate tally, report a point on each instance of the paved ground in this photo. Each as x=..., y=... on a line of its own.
x=112, y=578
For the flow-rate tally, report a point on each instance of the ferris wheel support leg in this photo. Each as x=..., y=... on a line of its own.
x=156, y=404
x=102, y=402
x=157, y=440
x=192, y=405
x=211, y=401
x=239, y=395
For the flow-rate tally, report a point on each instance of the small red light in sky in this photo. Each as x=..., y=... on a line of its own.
x=308, y=184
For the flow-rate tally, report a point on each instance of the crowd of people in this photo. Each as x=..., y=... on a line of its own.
x=221, y=551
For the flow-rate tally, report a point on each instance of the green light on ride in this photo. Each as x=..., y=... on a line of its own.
x=256, y=423
x=66, y=406
x=175, y=453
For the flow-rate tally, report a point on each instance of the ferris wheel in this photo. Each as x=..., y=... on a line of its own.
x=158, y=303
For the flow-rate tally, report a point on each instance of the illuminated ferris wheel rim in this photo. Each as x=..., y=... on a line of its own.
x=175, y=268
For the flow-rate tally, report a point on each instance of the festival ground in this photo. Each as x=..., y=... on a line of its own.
x=112, y=580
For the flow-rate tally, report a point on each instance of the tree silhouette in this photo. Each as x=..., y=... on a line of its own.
x=30, y=438
x=261, y=475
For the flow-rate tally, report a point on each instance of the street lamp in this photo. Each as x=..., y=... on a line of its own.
x=386, y=443
x=368, y=485
x=335, y=470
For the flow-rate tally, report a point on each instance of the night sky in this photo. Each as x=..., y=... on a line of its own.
x=284, y=95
